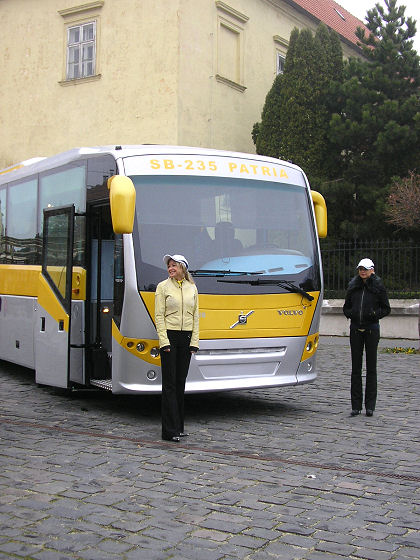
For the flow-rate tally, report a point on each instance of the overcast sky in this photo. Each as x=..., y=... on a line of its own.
x=359, y=9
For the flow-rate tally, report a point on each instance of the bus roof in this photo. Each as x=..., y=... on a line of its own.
x=40, y=164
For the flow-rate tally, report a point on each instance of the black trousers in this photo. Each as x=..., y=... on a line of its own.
x=175, y=366
x=367, y=339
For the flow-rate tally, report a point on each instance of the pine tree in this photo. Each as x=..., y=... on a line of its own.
x=295, y=118
x=377, y=130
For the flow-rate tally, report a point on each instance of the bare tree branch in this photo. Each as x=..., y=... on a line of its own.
x=403, y=208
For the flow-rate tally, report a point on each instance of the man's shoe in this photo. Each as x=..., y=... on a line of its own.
x=355, y=412
x=183, y=434
x=369, y=412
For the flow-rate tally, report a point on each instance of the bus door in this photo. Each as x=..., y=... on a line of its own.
x=58, y=328
x=101, y=240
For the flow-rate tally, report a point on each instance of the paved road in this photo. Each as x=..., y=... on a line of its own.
x=282, y=473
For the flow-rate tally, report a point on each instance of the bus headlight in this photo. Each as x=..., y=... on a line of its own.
x=140, y=347
x=151, y=375
x=154, y=352
x=309, y=346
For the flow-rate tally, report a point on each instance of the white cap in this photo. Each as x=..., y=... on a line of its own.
x=366, y=263
x=176, y=258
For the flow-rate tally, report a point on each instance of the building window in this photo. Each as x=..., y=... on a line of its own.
x=281, y=59
x=230, y=46
x=280, y=48
x=81, y=51
x=230, y=52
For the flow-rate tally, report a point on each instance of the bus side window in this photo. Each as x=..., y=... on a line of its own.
x=3, y=194
x=24, y=245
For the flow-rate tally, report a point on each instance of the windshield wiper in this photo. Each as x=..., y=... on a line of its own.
x=286, y=284
x=217, y=272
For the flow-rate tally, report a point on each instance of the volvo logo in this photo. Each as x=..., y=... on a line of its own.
x=242, y=319
x=290, y=311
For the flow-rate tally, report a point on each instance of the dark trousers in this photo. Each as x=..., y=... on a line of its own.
x=175, y=366
x=359, y=340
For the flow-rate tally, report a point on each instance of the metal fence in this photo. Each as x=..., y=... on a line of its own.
x=396, y=262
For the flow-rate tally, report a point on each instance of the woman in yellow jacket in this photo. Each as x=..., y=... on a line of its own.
x=176, y=316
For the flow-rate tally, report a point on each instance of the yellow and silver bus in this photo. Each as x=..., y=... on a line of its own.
x=82, y=236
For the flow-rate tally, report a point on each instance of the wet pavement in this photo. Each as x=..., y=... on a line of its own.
x=276, y=473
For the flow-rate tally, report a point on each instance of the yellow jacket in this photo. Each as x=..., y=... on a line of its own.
x=176, y=308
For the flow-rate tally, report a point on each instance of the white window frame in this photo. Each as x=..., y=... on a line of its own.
x=280, y=48
x=280, y=60
x=81, y=46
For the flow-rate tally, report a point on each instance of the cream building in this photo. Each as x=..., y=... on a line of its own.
x=186, y=72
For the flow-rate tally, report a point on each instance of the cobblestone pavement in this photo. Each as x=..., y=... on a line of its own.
x=275, y=473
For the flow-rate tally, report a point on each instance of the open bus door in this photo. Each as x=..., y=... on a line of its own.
x=101, y=309
x=58, y=352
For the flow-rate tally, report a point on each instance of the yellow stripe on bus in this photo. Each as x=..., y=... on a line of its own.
x=23, y=280
x=48, y=301
x=9, y=169
x=268, y=315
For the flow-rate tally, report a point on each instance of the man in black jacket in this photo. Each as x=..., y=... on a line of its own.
x=366, y=303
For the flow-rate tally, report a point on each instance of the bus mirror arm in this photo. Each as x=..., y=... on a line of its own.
x=122, y=196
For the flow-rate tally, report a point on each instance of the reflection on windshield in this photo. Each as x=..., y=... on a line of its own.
x=220, y=272
x=270, y=263
x=225, y=225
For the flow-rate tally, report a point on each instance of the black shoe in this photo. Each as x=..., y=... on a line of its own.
x=173, y=438
x=355, y=412
x=183, y=434
x=369, y=412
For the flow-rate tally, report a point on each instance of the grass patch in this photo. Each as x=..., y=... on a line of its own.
x=400, y=350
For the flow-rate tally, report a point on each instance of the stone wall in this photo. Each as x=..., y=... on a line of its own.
x=403, y=322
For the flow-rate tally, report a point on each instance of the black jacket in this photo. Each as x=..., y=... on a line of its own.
x=366, y=302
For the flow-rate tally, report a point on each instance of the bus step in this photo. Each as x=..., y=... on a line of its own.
x=102, y=383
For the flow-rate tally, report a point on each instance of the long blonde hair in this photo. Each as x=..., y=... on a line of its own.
x=187, y=275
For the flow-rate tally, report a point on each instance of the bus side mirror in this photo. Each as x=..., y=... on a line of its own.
x=122, y=196
x=320, y=213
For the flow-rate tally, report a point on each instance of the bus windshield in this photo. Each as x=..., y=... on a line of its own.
x=230, y=229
